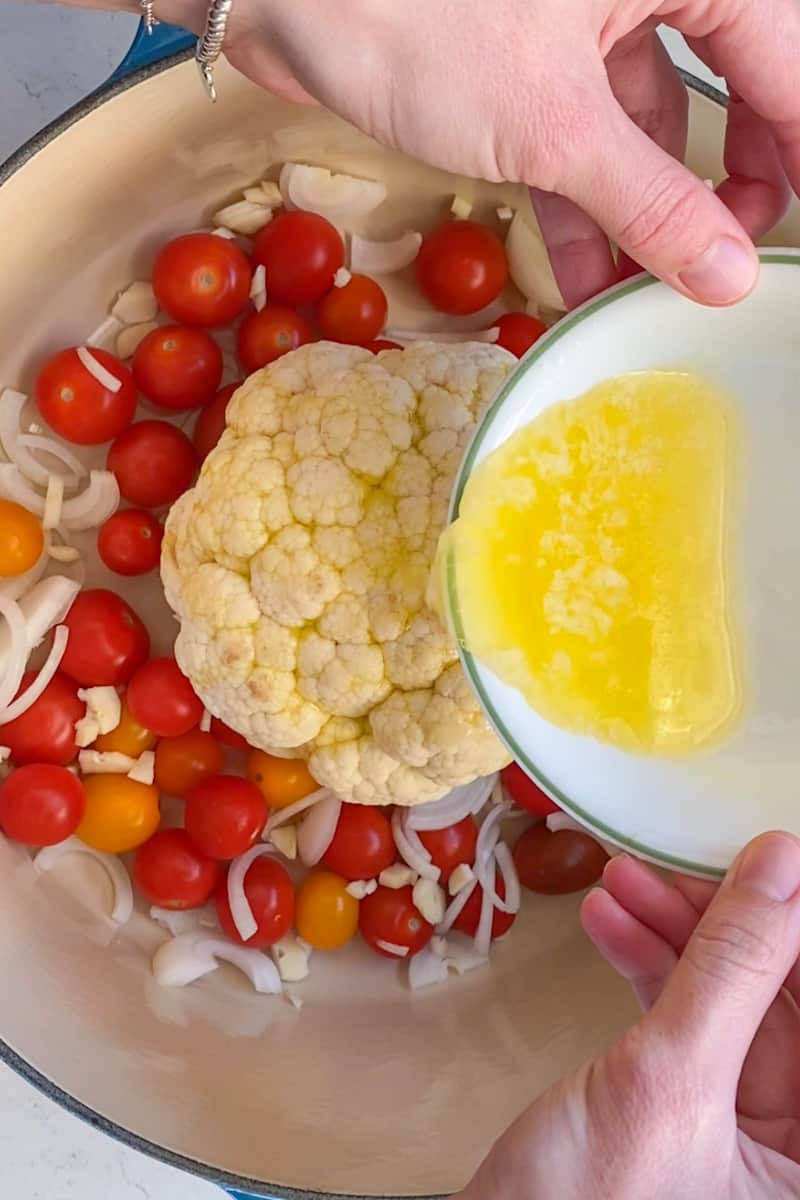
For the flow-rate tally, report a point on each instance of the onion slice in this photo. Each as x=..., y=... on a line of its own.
x=48, y=445
x=17, y=445
x=241, y=912
x=98, y=371
x=455, y=907
x=113, y=866
x=562, y=820
x=53, y=503
x=483, y=934
x=442, y=336
x=461, y=802
x=426, y=968
x=17, y=655
x=529, y=263
x=190, y=956
x=37, y=686
x=95, y=504
x=410, y=848
x=317, y=830
x=507, y=868
x=392, y=948
x=340, y=198
x=383, y=258
x=282, y=815
x=184, y=920
x=102, y=338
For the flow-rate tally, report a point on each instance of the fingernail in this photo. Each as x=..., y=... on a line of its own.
x=771, y=867
x=723, y=273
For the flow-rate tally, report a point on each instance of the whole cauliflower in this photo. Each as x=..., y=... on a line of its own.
x=298, y=567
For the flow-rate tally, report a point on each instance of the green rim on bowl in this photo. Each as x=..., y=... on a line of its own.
x=543, y=347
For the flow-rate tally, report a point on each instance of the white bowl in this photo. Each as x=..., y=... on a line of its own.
x=694, y=813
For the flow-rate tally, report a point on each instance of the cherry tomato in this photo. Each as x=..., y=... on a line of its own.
x=229, y=737
x=225, y=815
x=172, y=873
x=269, y=334
x=120, y=813
x=129, y=542
x=178, y=367
x=183, y=762
x=362, y=845
x=281, y=781
x=21, y=539
x=389, y=915
x=202, y=279
x=470, y=915
x=211, y=421
x=45, y=733
x=327, y=915
x=355, y=313
x=301, y=252
x=525, y=793
x=452, y=846
x=41, y=804
x=270, y=895
x=555, y=863
x=518, y=332
x=162, y=698
x=154, y=463
x=80, y=408
x=129, y=737
x=107, y=640
x=461, y=267
x=379, y=344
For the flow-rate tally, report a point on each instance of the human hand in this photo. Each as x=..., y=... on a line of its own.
x=701, y=1099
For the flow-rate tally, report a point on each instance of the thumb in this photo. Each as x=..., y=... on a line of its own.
x=661, y=215
x=736, y=961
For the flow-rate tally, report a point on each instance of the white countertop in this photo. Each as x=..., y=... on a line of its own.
x=47, y=1154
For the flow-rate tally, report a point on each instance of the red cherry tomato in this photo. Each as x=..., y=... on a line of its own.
x=210, y=424
x=229, y=737
x=470, y=915
x=202, y=279
x=525, y=793
x=301, y=252
x=41, y=804
x=461, y=267
x=225, y=815
x=171, y=872
x=379, y=344
x=129, y=542
x=270, y=895
x=269, y=334
x=355, y=313
x=45, y=733
x=80, y=408
x=154, y=463
x=518, y=332
x=389, y=915
x=161, y=698
x=178, y=367
x=452, y=846
x=107, y=640
x=362, y=845
x=560, y=862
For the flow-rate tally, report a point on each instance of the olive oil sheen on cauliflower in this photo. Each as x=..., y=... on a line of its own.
x=298, y=567
x=590, y=564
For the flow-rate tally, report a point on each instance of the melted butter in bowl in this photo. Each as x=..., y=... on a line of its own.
x=591, y=563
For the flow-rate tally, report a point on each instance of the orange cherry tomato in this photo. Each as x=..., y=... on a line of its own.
x=183, y=761
x=326, y=915
x=281, y=781
x=21, y=539
x=120, y=814
x=129, y=737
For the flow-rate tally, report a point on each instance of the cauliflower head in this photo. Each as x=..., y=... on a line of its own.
x=298, y=567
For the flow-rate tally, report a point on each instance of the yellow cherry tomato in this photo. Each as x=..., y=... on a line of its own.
x=120, y=813
x=21, y=539
x=129, y=737
x=326, y=914
x=281, y=781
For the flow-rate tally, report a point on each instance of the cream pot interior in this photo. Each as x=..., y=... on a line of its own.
x=369, y=1089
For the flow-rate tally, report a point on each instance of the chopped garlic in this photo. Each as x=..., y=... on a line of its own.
x=5, y=754
x=130, y=337
x=459, y=879
x=53, y=502
x=359, y=888
x=103, y=713
x=342, y=278
x=144, y=768
x=63, y=554
x=504, y=213
x=255, y=195
x=429, y=900
x=709, y=183
x=291, y=959
x=105, y=762
x=284, y=839
x=461, y=208
x=243, y=217
x=397, y=876
x=136, y=304
x=258, y=288
x=222, y=232
x=205, y=721
x=272, y=193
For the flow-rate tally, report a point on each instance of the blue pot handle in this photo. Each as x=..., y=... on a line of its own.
x=146, y=49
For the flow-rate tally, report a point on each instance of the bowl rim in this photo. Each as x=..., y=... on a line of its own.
x=782, y=256
x=246, y=1187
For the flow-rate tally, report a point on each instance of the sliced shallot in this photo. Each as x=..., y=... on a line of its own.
x=97, y=370
x=383, y=258
x=340, y=198
x=53, y=503
x=452, y=808
x=190, y=956
x=102, y=338
x=410, y=848
x=455, y=907
x=282, y=815
x=529, y=263
x=113, y=866
x=291, y=959
x=184, y=920
x=562, y=820
x=241, y=912
x=45, y=605
x=95, y=504
x=37, y=686
x=392, y=948
x=18, y=446
x=483, y=934
x=48, y=445
x=17, y=653
x=507, y=868
x=316, y=832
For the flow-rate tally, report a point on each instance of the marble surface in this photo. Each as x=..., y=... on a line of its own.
x=45, y=1153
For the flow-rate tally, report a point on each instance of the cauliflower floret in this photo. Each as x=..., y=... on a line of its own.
x=298, y=568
